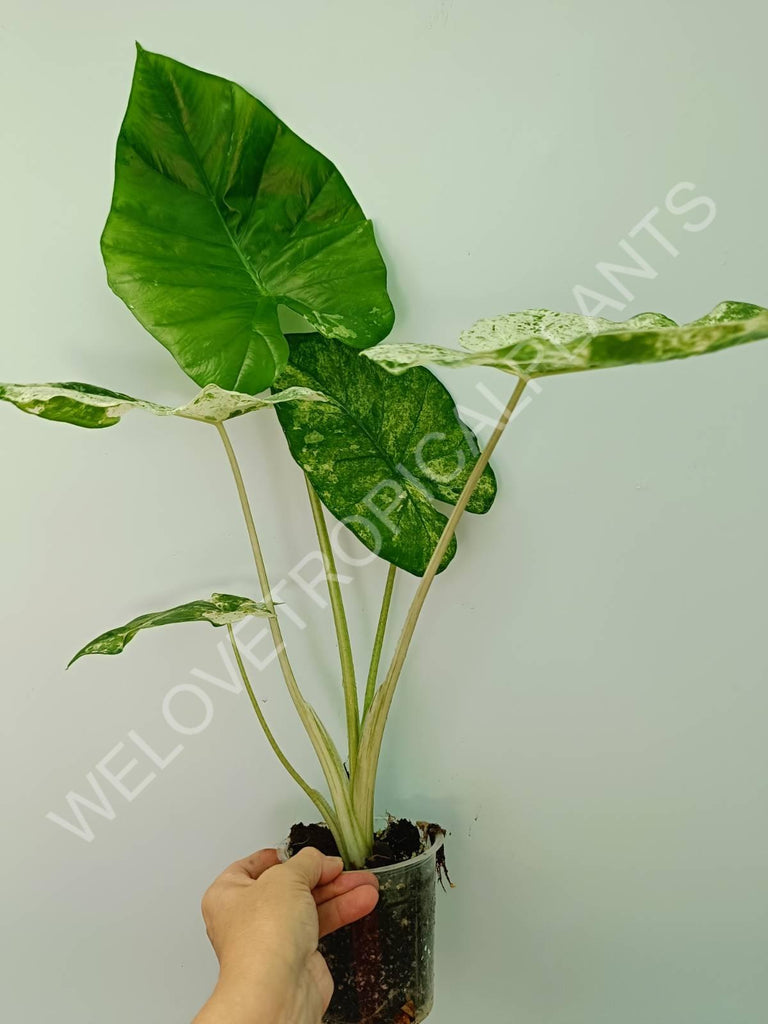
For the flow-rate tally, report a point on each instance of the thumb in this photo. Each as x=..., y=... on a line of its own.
x=311, y=868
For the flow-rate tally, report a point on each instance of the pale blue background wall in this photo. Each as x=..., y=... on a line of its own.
x=586, y=703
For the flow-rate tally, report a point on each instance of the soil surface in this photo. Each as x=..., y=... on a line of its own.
x=398, y=841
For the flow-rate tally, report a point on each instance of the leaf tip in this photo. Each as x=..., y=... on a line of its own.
x=143, y=55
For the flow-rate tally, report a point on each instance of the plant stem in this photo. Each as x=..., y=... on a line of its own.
x=327, y=755
x=348, y=680
x=378, y=643
x=261, y=568
x=317, y=798
x=373, y=731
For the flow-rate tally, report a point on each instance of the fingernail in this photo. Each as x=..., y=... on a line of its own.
x=334, y=862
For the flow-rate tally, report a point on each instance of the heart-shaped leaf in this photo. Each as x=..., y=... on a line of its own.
x=220, y=214
x=539, y=343
x=85, y=405
x=221, y=610
x=382, y=450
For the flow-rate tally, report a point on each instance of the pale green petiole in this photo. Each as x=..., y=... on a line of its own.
x=378, y=643
x=373, y=729
x=349, y=683
x=317, y=798
x=351, y=818
x=355, y=843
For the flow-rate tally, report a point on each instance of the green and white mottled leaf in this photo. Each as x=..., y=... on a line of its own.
x=401, y=356
x=540, y=343
x=214, y=405
x=221, y=610
x=220, y=214
x=85, y=405
x=382, y=450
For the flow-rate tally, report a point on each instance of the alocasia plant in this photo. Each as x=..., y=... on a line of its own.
x=220, y=216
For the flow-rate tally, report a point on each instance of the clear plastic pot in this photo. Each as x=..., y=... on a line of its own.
x=383, y=966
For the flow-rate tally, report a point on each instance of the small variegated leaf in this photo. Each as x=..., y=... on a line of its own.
x=221, y=610
x=540, y=343
x=214, y=405
x=85, y=405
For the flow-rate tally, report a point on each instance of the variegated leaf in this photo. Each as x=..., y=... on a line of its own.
x=214, y=405
x=221, y=610
x=399, y=357
x=383, y=451
x=540, y=343
x=85, y=405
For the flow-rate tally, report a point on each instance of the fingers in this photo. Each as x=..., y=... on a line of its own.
x=348, y=907
x=344, y=883
x=311, y=868
x=255, y=865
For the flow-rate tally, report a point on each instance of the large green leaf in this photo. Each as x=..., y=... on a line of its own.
x=539, y=343
x=85, y=405
x=221, y=610
x=220, y=214
x=381, y=450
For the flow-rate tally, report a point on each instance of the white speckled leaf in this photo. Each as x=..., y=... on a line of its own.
x=397, y=358
x=221, y=610
x=382, y=451
x=214, y=405
x=85, y=405
x=540, y=343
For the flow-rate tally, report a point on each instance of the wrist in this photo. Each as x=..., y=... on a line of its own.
x=259, y=985
x=244, y=996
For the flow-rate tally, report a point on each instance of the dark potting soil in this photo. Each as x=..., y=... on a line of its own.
x=318, y=836
x=382, y=965
x=398, y=841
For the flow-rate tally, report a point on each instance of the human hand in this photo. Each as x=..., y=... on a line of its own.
x=264, y=920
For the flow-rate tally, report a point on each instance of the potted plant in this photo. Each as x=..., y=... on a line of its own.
x=221, y=216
